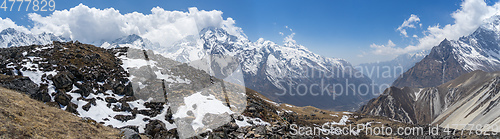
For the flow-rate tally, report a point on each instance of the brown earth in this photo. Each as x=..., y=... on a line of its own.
x=23, y=117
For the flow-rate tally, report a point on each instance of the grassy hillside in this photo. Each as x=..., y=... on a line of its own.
x=23, y=117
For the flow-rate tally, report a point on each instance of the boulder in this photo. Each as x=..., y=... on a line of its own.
x=42, y=94
x=85, y=89
x=62, y=98
x=111, y=100
x=127, y=133
x=232, y=126
x=78, y=75
x=64, y=80
x=19, y=83
x=240, y=118
x=121, y=89
x=154, y=127
x=124, y=118
x=72, y=108
x=86, y=107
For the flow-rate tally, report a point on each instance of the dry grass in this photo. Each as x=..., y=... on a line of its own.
x=23, y=117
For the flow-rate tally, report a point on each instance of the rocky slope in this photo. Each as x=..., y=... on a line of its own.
x=139, y=90
x=452, y=58
x=468, y=99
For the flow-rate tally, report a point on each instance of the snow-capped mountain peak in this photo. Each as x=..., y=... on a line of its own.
x=11, y=37
x=132, y=41
x=262, y=62
x=267, y=66
x=492, y=23
x=480, y=50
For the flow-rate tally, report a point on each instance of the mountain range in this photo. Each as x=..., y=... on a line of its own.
x=452, y=58
x=276, y=71
x=386, y=72
x=218, y=68
x=279, y=72
x=469, y=99
x=143, y=93
x=456, y=83
x=10, y=38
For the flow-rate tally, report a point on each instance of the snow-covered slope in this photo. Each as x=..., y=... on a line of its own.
x=479, y=108
x=267, y=67
x=481, y=49
x=11, y=38
x=444, y=87
x=451, y=58
x=469, y=99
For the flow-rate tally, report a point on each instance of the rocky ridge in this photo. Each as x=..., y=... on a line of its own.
x=452, y=58
x=470, y=98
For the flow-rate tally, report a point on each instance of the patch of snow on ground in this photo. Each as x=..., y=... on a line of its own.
x=342, y=121
x=417, y=94
x=170, y=78
x=255, y=121
x=135, y=63
x=289, y=105
x=101, y=113
x=204, y=105
x=346, y=113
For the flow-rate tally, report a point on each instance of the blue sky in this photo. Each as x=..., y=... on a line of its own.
x=332, y=28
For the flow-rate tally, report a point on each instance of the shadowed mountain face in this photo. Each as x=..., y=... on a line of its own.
x=436, y=68
x=444, y=87
x=452, y=58
x=470, y=98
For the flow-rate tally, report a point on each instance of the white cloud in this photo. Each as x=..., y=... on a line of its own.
x=8, y=23
x=164, y=27
x=383, y=49
x=289, y=41
x=389, y=44
x=409, y=23
x=468, y=18
x=281, y=33
x=362, y=54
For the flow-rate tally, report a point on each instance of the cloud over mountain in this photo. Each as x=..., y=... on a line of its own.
x=409, y=23
x=91, y=25
x=8, y=23
x=468, y=18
